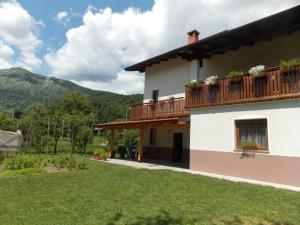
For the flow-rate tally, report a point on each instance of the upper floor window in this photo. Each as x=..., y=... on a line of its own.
x=252, y=132
x=155, y=95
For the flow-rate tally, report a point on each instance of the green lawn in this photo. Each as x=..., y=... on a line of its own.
x=111, y=194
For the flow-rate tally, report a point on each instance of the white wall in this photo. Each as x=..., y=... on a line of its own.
x=268, y=53
x=169, y=77
x=213, y=128
x=164, y=137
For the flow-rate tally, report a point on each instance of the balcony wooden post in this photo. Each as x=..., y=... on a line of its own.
x=141, y=141
x=111, y=142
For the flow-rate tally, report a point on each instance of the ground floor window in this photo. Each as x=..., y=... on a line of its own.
x=152, y=139
x=251, y=134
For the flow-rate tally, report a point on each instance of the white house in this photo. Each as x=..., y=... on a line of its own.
x=247, y=126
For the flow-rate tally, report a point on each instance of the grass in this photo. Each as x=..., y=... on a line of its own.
x=111, y=194
x=24, y=171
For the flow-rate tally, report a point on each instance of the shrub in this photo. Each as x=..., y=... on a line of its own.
x=99, y=151
x=235, y=73
x=122, y=150
x=105, y=155
x=64, y=162
x=20, y=161
x=82, y=165
x=257, y=70
x=289, y=62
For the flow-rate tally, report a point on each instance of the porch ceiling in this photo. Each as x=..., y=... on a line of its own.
x=140, y=124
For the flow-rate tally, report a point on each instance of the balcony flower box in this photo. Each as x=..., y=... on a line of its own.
x=289, y=70
x=211, y=81
x=290, y=66
x=257, y=71
x=235, y=76
x=249, y=146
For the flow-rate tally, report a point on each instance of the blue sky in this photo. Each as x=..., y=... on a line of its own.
x=91, y=41
x=53, y=33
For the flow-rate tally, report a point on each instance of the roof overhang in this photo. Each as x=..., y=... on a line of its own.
x=142, y=124
x=285, y=22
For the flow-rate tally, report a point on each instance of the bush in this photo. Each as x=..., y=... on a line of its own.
x=122, y=150
x=16, y=162
x=22, y=161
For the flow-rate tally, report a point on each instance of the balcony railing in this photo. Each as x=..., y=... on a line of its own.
x=160, y=110
x=274, y=84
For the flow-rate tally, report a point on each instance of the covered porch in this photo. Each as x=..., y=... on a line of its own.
x=171, y=147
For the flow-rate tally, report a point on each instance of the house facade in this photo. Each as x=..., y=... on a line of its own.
x=242, y=126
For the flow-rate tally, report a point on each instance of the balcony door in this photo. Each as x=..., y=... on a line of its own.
x=155, y=95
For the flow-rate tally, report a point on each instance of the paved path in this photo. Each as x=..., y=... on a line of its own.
x=154, y=166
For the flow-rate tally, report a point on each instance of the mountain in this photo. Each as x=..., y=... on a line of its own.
x=20, y=88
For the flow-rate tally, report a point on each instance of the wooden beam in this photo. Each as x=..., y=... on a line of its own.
x=141, y=142
x=111, y=141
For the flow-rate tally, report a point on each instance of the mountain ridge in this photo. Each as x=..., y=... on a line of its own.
x=20, y=88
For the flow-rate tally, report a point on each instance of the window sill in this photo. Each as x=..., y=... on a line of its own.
x=252, y=151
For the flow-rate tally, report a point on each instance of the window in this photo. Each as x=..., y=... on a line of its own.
x=152, y=136
x=155, y=95
x=252, y=131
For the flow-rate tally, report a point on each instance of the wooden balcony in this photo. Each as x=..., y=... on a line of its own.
x=160, y=110
x=275, y=84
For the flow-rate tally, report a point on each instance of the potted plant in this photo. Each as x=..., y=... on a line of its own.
x=235, y=76
x=249, y=145
x=171, y=99
x=257, y=71
x=193, y=84
x=104, y=155
x=122, y=151
x=211, y=80
x=290, y=65
x=97, y=154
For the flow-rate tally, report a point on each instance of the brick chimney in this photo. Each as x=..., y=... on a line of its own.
x=193, y=36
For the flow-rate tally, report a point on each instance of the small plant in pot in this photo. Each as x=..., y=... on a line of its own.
x=235, y=75
x=257, y=71
x=122, y=151
x=249, y=145
x=97, y=154
x=211, y=80
x=171, y=99
x=290, y=65
x=193, y=84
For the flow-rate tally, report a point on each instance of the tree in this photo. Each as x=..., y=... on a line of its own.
x=7, y=122
x=78, y=112
x=35, y=126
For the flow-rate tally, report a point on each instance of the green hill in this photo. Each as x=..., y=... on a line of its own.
x=20, y=88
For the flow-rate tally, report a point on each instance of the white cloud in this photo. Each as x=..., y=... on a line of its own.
x=64, y=17
x=61, y=16
x=124, y=83
x=96, y=51
x=18, y=30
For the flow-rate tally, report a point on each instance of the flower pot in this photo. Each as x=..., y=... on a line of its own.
x=291, y=69
x=236, y=79
x=249, y=148
x=96, y=157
